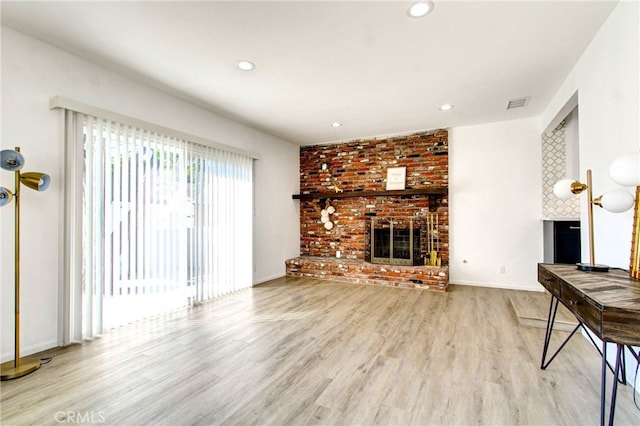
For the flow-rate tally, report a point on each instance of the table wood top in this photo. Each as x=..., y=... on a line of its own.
x=607, y=289
x=612, y=308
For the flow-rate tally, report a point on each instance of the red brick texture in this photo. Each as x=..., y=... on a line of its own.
x=362, y=166
x=361, y=272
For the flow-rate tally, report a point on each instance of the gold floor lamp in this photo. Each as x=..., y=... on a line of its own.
x=616, y=201
x=13, y=161
x=625, y=170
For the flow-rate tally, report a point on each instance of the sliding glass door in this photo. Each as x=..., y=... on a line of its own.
x=165, y=223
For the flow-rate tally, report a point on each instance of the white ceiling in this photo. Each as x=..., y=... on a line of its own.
x=366, y=64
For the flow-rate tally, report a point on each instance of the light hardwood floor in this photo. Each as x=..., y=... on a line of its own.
x=303, y=351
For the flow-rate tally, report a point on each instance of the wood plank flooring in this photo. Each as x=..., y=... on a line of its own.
x=301, y=351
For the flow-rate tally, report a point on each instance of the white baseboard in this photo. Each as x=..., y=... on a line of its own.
x=30, y=350
x=268, y=278
x=537, y=288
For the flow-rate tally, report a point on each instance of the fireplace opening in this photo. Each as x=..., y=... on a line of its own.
x=402, y=244
x=393, y=241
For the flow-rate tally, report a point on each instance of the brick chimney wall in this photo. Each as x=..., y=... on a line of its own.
x=362, y=165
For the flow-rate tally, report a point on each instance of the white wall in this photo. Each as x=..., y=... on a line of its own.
x=495, y=204
x=607, y=81
x=32, y=73
x=494, y=180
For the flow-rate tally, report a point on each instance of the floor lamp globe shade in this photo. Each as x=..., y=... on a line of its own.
x=35, y=180
x=625, y=170
x=11, y=160
x=5, y=196
x=617, y=201
x=562, y=189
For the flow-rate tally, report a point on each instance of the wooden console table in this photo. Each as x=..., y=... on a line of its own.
x=607, y=304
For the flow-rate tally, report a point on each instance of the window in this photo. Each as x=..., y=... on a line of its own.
x=165, y=222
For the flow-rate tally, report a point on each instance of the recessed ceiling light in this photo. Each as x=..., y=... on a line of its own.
x=445, y=107
x=336, y=124
x=420, y=9
x=246, y=65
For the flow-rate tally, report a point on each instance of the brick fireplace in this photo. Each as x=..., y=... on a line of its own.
x=358, y=169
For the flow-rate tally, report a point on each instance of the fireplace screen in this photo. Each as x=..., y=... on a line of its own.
x=394, y=241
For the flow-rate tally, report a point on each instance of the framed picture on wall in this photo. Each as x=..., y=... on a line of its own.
x=396, y=178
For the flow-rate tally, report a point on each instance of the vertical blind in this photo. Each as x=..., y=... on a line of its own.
x=165, y=222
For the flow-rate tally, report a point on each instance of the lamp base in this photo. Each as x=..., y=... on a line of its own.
x=592, y=268
x=27, y=365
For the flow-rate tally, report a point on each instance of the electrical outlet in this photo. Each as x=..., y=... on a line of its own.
x=503, y=269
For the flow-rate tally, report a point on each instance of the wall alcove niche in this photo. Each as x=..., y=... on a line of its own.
x=561, y=218
x=353, y=178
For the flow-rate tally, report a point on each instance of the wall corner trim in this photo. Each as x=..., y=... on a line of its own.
x=569, y=106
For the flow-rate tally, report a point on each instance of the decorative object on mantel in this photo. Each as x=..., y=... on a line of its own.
x=334, y=183
x=614, y=201
x=396, y=178
x=625, y=171
x=325, y=215
x=13, y=161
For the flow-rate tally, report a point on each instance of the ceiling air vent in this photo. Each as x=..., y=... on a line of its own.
x=517, y=103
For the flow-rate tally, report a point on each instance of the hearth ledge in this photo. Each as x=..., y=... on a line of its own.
x=361, y=272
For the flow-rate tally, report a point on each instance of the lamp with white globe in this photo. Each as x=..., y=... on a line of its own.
x=567, y=188
x=615, y=201
x=625, y=171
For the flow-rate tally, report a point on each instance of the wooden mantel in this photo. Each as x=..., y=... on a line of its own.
x=390, y=193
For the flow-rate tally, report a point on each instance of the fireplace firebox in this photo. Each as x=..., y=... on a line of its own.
x=394, y=241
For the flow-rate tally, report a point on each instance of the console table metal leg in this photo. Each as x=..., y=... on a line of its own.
x=623, y=368
x=614, y=391
x=616, y=380
x=553, y=308
x=603, y=383
x=551, y=317
x=622, y=376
